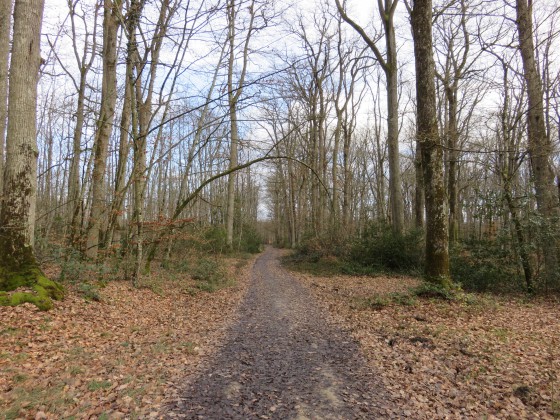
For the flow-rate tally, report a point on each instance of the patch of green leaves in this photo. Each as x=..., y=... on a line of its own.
x=98, y=385
x=89, y=292
x=209, y=275
x=434, y=291
x=378, y=302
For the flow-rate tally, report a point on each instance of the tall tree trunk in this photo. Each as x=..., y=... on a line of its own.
x=74, y=196
x=389, y=64
x=116, y=218
x=539, y=145
x=5, y=27
x=437, y=235
x=18, y=266
x=335, y=213
x=419, y=201
x=452, y=142
x=111, y=9
x=233, y=152
x=347, y=185
x=395, y=185
x=234, y=93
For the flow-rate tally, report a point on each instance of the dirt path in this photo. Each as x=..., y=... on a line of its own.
x=281, y=360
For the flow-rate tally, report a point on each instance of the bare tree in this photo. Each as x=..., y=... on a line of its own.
x=142, y=87
x=437, y=235
x=456, y=40
x=389, y=65
x=509, y=162
x=350, y=69
x=84, y=60
x=235, y=89
x=111, y=23
x=540, y=149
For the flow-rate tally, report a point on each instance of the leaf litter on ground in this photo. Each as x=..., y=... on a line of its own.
x=478, y=356
x=122, y=357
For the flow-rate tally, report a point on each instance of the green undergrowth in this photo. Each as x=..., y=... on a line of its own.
x=89, y=291
x=29, y=286
x=377, y=251
x=209, y=275
x=203, y=273
x=410, y=297
x=327, y=266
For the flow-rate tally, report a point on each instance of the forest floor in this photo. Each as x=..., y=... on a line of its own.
x=279, y=344
x=481, y=356
x=120, y=357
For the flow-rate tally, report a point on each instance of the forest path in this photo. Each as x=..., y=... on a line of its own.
x=282, y=360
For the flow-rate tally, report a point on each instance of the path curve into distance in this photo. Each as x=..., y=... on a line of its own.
x=281, y=359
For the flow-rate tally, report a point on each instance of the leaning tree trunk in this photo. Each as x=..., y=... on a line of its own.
x=18, y=266
x=74, y=196
x=540, y=149
x=437, y=237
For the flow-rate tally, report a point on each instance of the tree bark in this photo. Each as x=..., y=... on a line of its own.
x=452, y=143
x=18, y=266
x=115, y=217
x=111, y=15
x=5, y=26
x=540, y=149
x=437, y=232
x=395, y=184
x=419, y=201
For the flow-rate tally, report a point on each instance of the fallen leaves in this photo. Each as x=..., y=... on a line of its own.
x=117, y=358
x=488, y=358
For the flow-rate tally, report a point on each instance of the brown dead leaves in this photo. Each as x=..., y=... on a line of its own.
x=485, y=357
x=117, y=358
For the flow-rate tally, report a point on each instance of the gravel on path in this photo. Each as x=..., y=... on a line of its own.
x=281, y=359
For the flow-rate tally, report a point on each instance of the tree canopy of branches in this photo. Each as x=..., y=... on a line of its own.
x=318, y=127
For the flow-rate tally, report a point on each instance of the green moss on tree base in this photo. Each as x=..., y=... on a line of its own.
x=42, y=289
x=442, y=281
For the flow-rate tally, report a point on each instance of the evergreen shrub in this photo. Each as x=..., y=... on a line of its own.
x=382, y=248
